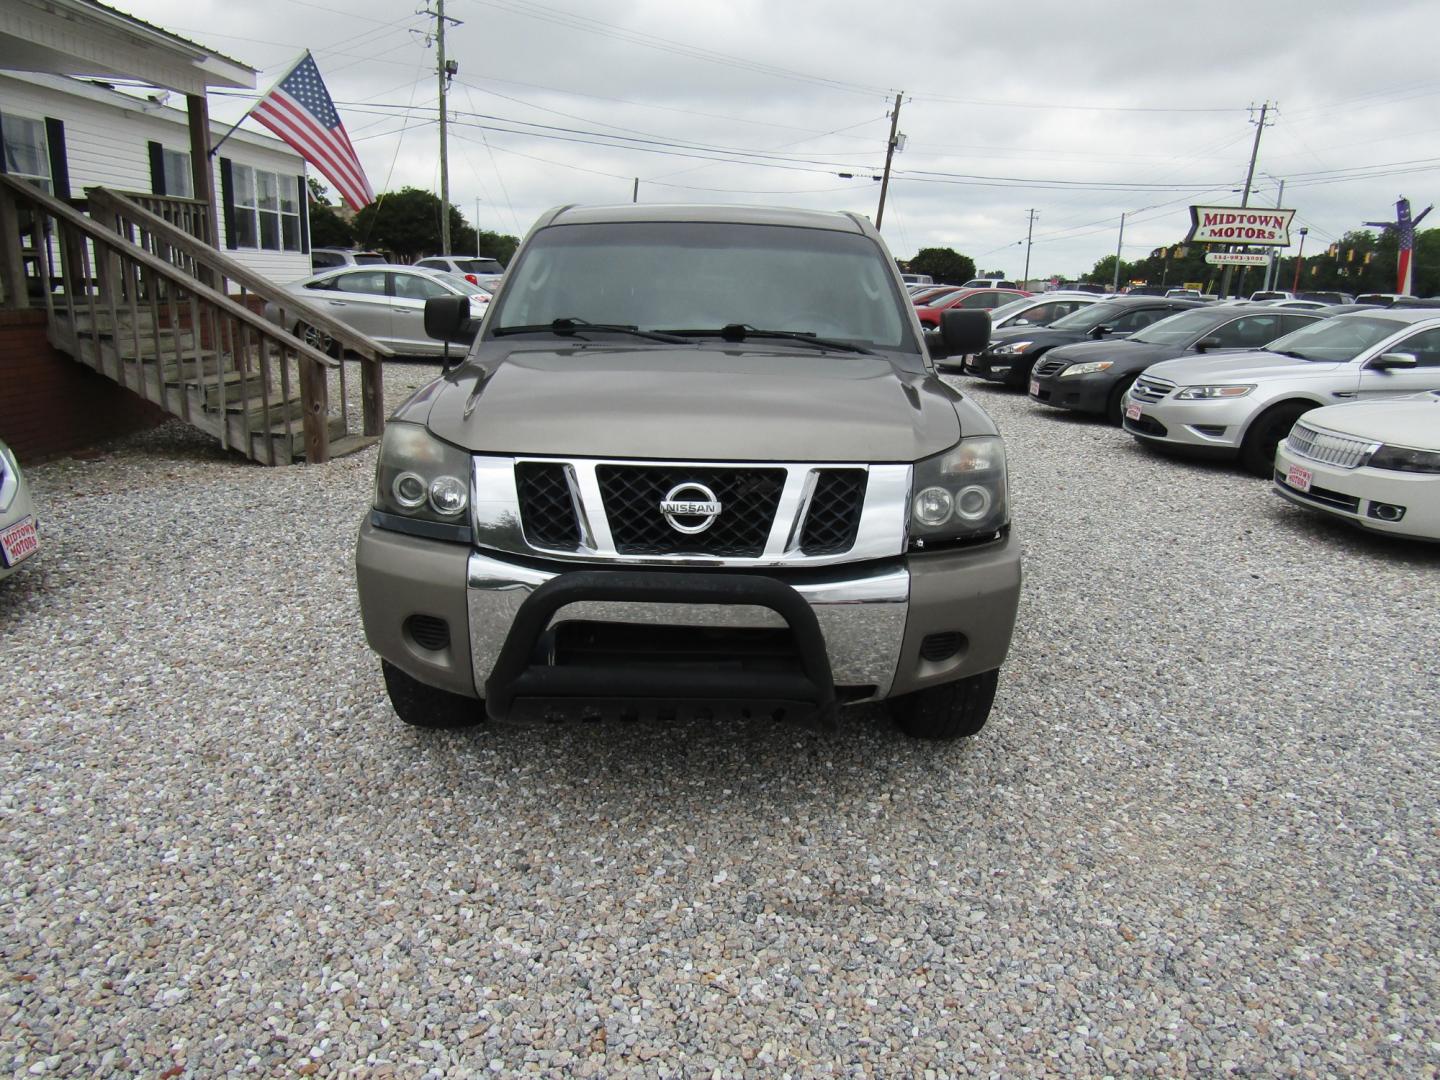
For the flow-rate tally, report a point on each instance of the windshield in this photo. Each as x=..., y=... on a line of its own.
x=1014, y=307
x=705, y=276
x=1336, y=339
x=1086, y=317
x=1176, y=329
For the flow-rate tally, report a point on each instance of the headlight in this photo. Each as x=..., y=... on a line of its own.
x=1202, y=393
x=422, y=484
x=960, y=494
x=1404, y=459
x=1012, y=348
x=1086, y=369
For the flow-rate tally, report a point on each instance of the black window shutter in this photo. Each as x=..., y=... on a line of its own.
x=59, y=161
x=3, y=169
x=157, y=169
x=227, y=202
x=304, y=216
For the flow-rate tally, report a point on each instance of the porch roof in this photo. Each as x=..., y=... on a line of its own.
x=87, y=38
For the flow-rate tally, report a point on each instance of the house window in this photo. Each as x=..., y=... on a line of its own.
x=178, y=180
x=267, y=209
x=27, y=151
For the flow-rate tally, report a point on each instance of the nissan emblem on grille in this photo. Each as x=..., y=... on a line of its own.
x=693, y=514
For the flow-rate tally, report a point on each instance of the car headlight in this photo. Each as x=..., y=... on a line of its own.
x=422, y=485
x=960, y=494
x=1012, y=348
x=1087, y=369
x=1222, y=390
x=1405, y=459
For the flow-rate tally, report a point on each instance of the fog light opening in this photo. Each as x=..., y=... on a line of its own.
x=429, y=632
x=1386, y=511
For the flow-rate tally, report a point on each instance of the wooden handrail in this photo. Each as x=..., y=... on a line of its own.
x=105, y=201
x=101, y=235
x=119, y=266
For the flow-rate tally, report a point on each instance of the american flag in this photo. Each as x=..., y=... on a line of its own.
x=299, y=109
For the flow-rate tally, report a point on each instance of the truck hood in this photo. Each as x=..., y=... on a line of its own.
x=1240, y=367
x=712, y=402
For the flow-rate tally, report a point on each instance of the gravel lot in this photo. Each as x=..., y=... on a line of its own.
x=1199, y=836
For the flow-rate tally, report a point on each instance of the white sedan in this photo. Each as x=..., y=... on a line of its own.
x=18, y=537
x=1372, y=463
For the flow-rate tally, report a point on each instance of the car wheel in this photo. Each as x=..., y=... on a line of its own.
x=425, y=706
x=317, y=339
x=954, y=710
x=1115, y=407
x=1257, y=452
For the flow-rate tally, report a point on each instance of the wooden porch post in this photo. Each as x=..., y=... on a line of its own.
x=12, y=263
x=201, y=167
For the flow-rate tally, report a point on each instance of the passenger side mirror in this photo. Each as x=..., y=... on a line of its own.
x=446, y=318
x=1386, y=361
x=1100, y=331
x=964, y=331
x=1206, y=344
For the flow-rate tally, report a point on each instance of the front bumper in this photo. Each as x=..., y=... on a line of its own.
x=1361, y=496
x=1215, y=426
x=1083, y=393
x=992, y=366
x=875, y=617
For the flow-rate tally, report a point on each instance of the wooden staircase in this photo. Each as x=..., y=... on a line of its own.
x=143, y=303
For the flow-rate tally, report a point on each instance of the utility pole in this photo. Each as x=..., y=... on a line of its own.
x=889, y=153
x=635, y=191
x=1115, y=285
x=477, y=226
x=1029, y=233
x=445, y=70
x=1245, y=191
x=1272, y=272
x=1299, y=259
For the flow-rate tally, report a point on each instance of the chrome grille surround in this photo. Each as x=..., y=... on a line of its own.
x=1150, y=389
x=1328, y=447
x=879, y=534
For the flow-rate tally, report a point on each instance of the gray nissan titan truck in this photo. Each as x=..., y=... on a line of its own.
x=697, y=462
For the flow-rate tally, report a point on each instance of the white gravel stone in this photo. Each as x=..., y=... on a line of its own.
x=1198, y=836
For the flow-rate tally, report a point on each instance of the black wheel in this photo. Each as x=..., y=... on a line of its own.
x=954, y=710
x=1115, y=407
x=317, y=339
x=1257, y=452
x=425, y=706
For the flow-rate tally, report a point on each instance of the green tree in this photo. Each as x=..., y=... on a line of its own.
x=1104, y=272
x=327, y=227
x=407, y=223
x=945, y=265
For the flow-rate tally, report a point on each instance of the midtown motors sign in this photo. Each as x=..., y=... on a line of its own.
x=1239, y=225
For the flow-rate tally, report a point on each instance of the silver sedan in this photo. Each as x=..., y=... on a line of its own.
x=386, y=303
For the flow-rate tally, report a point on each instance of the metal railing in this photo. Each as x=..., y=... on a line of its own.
x=156, y=330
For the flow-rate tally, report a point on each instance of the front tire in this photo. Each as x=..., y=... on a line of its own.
x=427, y=707
x=1257, y=452
x=317, y=339
x=954, y=710
x=1021, y=370
x=1115, y=407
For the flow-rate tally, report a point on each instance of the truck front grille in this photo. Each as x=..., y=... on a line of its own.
x=632, y=495
x=547, y=508
x=834, y=515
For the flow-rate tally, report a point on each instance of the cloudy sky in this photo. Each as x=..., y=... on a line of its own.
x=1079, y=111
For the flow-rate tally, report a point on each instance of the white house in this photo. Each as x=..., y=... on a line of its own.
x=68, y=134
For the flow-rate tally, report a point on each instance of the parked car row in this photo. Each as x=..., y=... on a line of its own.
x=1338, y=408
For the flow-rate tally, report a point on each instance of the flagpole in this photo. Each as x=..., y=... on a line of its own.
x=285, y=75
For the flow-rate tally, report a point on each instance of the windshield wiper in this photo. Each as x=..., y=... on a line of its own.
x=743, y=332
x=570, y=327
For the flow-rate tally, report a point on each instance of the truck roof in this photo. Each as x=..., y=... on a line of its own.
x=737, y=215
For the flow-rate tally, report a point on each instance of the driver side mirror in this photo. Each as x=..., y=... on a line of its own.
x=1206, y=344
x=1386, y=361
x=447, y=318
x=1099, y=332
x=963, y=331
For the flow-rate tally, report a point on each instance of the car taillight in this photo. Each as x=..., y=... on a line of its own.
x=472, y=279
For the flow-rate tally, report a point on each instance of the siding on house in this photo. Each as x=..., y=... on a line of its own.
x=107, y=143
